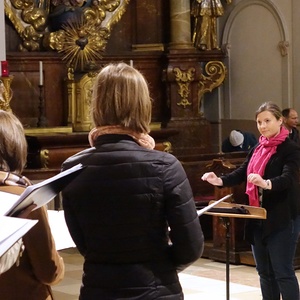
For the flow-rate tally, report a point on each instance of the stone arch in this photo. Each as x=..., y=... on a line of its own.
x=283, y=45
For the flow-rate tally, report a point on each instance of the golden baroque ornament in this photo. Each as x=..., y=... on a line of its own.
x=79, y=29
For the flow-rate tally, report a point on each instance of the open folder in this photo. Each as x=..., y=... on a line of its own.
x=40, y=193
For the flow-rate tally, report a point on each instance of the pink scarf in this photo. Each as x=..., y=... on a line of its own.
x=144, y=140
x=259, y=160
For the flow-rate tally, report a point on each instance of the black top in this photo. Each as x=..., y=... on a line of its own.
x=294, y=135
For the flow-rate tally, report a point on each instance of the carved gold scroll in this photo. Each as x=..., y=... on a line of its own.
x=215, y=75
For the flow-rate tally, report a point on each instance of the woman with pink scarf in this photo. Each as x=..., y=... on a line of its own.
x=271, y=172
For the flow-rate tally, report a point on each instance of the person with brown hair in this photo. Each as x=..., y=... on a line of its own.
x=271, y=172
x=40, y=265
x=131, y=212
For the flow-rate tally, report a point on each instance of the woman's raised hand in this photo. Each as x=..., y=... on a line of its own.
x=212, y=178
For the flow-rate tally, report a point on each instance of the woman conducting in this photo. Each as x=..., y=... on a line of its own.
x=271, y=173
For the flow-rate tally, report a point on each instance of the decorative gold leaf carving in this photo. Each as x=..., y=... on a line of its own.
x=5, y=93
x=183, y=80
x=44, y=156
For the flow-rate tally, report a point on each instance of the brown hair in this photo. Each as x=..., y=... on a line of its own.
x=271, y=107
x=13, y=145
x=121, y=97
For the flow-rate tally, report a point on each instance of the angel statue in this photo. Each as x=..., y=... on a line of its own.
x=205, y=13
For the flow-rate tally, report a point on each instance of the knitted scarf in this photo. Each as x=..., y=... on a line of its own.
x=11, y=179
x=259, y=160
x=144, y=140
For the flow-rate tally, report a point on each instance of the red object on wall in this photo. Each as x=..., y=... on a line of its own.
x=4, y=68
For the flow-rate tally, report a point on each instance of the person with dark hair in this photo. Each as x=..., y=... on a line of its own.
x=40, y=265
x=131, y=212
x=290, y=121
x=239, y=141
x=271, y=172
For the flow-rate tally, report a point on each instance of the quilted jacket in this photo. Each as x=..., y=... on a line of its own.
x=132, y=216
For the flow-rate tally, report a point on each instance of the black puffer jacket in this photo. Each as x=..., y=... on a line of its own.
x=118, y=211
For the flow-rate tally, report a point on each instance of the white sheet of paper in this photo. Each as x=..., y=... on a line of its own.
x=59, y=230
x=12, y=229
x=7, y=200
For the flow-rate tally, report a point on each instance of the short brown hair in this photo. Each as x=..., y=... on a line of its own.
x=271, y=107
x=13, y=145
x=121, y=97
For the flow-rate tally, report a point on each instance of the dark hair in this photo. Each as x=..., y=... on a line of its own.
x=285, y=112
x=271, y=107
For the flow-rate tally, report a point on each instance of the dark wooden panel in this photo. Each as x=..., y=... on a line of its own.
x=25, y=102
x=25, y=69
x=152, y=20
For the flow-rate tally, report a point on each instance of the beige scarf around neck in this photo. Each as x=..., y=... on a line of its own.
x=143, y=139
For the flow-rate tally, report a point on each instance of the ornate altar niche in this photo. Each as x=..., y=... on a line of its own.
x=65, y=26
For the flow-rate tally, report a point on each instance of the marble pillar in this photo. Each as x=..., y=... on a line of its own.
x=180, y=15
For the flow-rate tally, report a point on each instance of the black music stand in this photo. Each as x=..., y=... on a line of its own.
x=254, y=213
